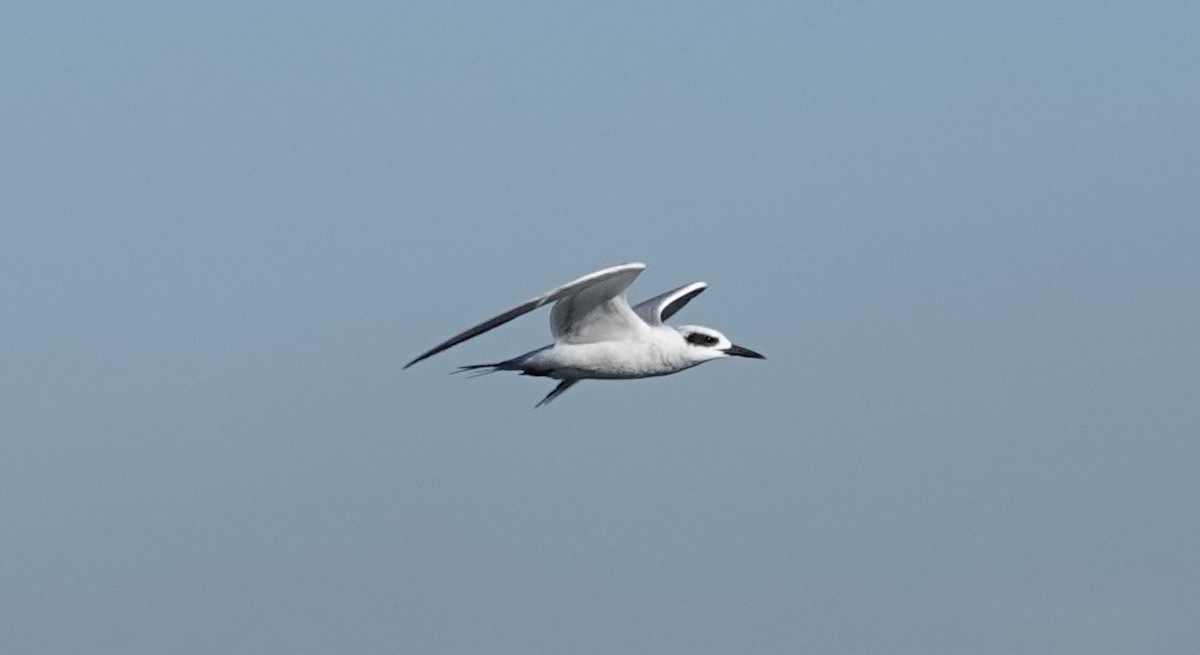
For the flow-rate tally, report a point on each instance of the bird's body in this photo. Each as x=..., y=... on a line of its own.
x=597, y=335
x=647, y=355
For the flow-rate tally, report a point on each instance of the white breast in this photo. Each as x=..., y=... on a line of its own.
x=659, y=353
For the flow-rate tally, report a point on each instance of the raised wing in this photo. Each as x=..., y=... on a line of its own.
x=661, y=307
x=597, y=310
x=617, y=278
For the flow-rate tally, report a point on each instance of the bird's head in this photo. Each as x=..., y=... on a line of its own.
x=705, y=343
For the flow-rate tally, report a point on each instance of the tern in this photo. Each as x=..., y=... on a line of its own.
x=597, y=335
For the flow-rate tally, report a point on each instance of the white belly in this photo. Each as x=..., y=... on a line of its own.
x=608, y=360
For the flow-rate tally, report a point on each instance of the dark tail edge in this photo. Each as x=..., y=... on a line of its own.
x=484, y=369
x=472, y=367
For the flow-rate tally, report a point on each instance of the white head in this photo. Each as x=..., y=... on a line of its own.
x=705, y=343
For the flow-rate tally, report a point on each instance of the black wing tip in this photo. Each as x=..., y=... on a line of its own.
x=695, y=289
x=418, y=359
x=673, y=307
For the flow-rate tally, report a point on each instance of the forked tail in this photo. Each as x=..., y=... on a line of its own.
x=483, y=369
x=515, y=365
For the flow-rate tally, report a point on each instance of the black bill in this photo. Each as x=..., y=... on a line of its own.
x=742, y=352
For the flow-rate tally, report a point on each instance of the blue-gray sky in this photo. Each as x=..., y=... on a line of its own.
x=966, y=236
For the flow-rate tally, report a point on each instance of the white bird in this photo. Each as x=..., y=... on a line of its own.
x=597, y=335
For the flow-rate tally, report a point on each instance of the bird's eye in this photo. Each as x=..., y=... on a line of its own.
x=701, y=339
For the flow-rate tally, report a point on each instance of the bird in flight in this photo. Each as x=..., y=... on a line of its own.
x=597, y=335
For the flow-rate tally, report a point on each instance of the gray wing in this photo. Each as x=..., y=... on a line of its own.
x=608, y=279
x=661, y=307
x=597, y=311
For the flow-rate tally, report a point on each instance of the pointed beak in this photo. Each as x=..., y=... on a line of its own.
x=742, y=352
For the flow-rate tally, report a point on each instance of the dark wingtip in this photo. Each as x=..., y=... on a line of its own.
x=416, y=360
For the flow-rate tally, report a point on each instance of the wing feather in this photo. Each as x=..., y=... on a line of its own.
x=622, y=275
x=663, y=306
x=596, y=311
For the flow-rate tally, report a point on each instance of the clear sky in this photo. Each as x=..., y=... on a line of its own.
x=965, y=235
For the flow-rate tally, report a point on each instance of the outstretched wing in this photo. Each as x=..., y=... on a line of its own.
x=608, y=281
x=661, y=307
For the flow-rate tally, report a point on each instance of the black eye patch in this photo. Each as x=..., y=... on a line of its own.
x=700, y=339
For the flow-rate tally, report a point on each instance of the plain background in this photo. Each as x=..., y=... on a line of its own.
x=965, y=235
